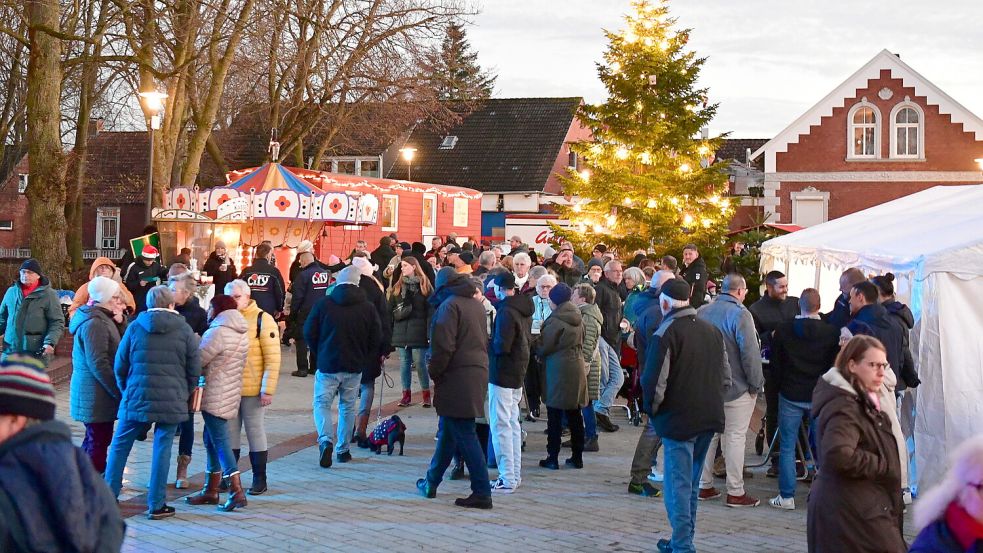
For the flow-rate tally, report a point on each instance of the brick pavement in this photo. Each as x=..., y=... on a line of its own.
x=371, y=504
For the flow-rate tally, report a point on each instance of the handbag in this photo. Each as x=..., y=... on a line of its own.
x=194, y=402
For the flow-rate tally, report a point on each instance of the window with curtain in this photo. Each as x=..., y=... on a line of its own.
x=906, y=133
x=864, y=133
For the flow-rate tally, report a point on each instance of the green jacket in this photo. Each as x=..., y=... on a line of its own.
x=30, y=323
x=593, y=321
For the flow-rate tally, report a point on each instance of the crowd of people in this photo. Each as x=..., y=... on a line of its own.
x=494, y=335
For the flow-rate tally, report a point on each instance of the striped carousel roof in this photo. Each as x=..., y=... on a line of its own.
x=273, y=176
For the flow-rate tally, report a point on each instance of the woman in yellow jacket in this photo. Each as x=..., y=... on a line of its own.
x=259, y=380
x=102, y=266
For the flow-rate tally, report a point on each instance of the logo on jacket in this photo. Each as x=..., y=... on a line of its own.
x=257, y=280
x=320, y=278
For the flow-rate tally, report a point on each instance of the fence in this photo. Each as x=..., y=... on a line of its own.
x=24, y=253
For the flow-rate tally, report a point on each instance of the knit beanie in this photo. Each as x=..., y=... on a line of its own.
x=102, y=289
x=595, y=262
x=219, y=244
x=677, y=289
x=560, y=294
x=363, y=265
x=25, y=389
x=31, y=265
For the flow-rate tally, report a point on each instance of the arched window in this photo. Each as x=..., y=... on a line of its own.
x=863, y=131
x=907, y=134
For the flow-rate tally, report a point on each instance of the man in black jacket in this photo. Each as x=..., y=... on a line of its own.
x=309, y=286
x=509, y=358
x=802, y=350
x=265, y=281
x=870, y=318
x=686, y=373
x=143, y=274
x=457, y=362
x=345, y=331
x=840, y=315
x=381, y=256
x=376, y=295
x=608, y=301
x=695, y=273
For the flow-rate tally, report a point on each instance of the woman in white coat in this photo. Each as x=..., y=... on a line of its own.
x=224, y=347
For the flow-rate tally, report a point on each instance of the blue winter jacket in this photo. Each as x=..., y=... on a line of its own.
x=157, y=365
x=51, y=499
x=94, y=395
x=345, y=332
x=938, y=538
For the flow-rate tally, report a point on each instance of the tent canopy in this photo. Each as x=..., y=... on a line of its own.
x=270, y=177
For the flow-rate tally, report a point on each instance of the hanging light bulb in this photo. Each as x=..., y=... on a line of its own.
x=651, y=203
x=598, y=229
x=715, y=199
x=664, y=44
x=687, y=220
x=704, y=150
x=585, y=175
x=648, y=41
x=684, y=168
x=674, y=201
x=621, y=153
x=612, y=220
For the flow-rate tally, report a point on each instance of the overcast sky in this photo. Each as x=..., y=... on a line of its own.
x=769, y=60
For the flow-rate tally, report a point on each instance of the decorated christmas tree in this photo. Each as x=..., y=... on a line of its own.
x=647, y=178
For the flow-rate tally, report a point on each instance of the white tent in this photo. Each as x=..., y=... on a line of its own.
x=933, y=242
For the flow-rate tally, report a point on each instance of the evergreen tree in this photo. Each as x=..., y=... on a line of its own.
x=647, y=178
x=455, y=71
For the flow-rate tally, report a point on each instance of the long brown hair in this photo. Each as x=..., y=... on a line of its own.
x=855, y=350
x=397, y=286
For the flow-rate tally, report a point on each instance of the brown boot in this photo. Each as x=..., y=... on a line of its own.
x=426, y=398
x=361, y=426
x=181, y=480
x=406, y=399
x=237, y=497
x=209, y=494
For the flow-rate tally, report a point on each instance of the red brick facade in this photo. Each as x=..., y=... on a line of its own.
x=15, y=210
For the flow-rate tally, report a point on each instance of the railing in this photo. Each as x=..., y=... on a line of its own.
x=24, y=253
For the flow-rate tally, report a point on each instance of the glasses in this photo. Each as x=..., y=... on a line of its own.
x=876, y=365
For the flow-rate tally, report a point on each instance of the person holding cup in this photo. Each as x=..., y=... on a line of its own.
x=220, y=266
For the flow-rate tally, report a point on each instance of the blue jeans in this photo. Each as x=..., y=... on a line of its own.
x=119, y=451
x=326, y=387
x=590, y=422
x=187, y=440
x=217, y=449
x=612, y=377
x=407, y=358
x=366, y=395
x=790, y=415
x=683, y=465
x=453, y=435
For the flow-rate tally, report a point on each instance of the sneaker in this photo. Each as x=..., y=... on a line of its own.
x=344, y=457
x=745, y=500
x=656, y=476
x=906, y=496
x=709, y=493
x=474, y=502
x=780, y=502
x=327, y=448
x=664, y=546
x=164, y=512
x=644, y=489
x=591, y=445
x=426, y=489
x=499, y=486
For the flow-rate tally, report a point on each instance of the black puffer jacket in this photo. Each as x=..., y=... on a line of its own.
x=608, y=300
x=457, y=360
x=266, y=285
x=411, y=315
x=873, y=320
x=194, y=315
x=909, y=377
x=509, y=356
x=344, y=330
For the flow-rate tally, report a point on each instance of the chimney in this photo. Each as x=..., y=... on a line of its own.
x=96, y=126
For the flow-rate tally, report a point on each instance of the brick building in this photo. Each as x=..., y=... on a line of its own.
x=884, y=133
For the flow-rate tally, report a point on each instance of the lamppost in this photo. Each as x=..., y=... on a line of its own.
x=408, y=154
x=153, y=105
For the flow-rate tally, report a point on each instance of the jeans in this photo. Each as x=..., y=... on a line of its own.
x=590, y=422
x=186, y=442
x=98, y=436
x=119, y=451
x=407, y=358
x=455, y=434
x=790, y=415
x=737, y=418
x=554, y=431
x=645, y=453
x=326, y=387
x=506, y=434
x=612, y=378
x=366, y=395
x=218, y=452
x=252, y=416
x=683, y=463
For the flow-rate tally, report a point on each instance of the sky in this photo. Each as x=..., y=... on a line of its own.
x=768, y=60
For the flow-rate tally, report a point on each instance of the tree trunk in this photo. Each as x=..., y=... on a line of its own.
x=46, y=186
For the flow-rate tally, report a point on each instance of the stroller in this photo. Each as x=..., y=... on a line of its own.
x=631, y=390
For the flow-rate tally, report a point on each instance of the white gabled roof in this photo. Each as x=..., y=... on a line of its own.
x=872, y=70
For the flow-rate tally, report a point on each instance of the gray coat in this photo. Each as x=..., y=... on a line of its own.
x=561, y=346
x=735, y=322
x=224, y=348
x=94, y=393
x=30, y=323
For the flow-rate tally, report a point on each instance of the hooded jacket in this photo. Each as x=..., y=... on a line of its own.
x=94, y=395
x=140, y=278
x=411, y=314
x=345, y=331
x=213, y=267
x=686, y=376
x=29, y=323
x=608, y=300
x=62, y=503
x=873, y=320
x=457, y=360
x=157, y=365
x=649, y=317
x=839, y=316
x=908, y=377
x=802, y=350
x=593, y=321
x=194, y=315
x=82, y=294
x=855, y=502
x=696, y=275
x=562, y=348
x=224, y=349
x=262, y=371
x=509, y=355
x=734, y=321
x=266, y=285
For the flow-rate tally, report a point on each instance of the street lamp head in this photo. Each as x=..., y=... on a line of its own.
x=408, y=153
x=153, y=101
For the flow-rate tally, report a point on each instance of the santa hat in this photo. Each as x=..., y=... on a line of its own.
x=149, y=252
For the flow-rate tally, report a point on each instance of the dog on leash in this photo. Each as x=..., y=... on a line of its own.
x=387, y=434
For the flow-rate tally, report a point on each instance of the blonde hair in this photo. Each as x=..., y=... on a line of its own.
x=966, y=468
